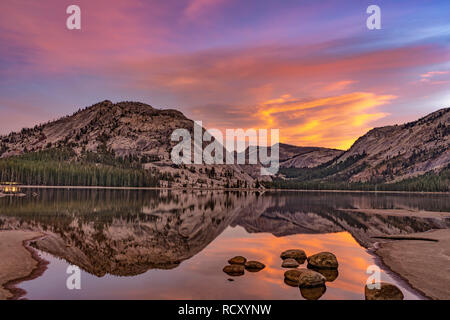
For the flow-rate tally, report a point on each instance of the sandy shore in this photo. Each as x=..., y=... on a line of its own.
x=17, y=262
x=424, y=264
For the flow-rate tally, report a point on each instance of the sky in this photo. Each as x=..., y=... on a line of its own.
x=309, y=68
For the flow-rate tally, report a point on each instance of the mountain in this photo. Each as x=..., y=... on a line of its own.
x=290, y=156
x=305, y=157
x=300, y=157
x=125, y=137
x=127, y=144
x=394, y=153
x=414, y=156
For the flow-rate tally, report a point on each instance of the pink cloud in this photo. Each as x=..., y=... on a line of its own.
x=196, y=8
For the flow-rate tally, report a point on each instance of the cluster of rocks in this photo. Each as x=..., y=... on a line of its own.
x=292, y=258
x=321, y=268
x=239, y=264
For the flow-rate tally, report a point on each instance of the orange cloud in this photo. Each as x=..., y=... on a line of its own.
x=335, y=121
x=339, y=85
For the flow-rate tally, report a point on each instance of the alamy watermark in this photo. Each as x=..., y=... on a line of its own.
x=73, y=21
x=374, y=280
x=73, y=282
x=231, y=151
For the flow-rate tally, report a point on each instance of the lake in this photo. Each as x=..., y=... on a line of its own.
x=160, y=244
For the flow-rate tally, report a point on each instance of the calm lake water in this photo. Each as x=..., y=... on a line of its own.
x=174, y=245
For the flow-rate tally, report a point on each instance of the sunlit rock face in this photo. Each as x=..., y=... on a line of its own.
x=397, y=152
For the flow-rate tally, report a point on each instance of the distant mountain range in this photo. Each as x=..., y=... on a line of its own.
x=128, y=144
x=413, y=156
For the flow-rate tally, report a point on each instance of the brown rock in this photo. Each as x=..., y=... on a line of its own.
x=387, y=291
x=234, y=270
x=313, y=293
x=291, y=283
x=290, y=263
x=323, y=260
x=291, y=276
x=329, y=274
x=254, y=266
x=309, y=278
x=237, y=260
x=296, y=254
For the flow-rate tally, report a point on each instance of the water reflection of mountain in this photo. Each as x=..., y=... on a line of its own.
x=123, y=233
x=130, y=232
x=295, y=212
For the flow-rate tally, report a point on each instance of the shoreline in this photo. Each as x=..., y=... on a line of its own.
x=10, y=286
x=228, y=189
x=398, y=277
x=423, y=269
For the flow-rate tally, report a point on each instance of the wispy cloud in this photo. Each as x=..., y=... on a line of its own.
x=197, y=8
x=333, y=121
x=321, y=78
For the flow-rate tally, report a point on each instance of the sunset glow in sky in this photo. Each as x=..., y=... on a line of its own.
x=310, y=68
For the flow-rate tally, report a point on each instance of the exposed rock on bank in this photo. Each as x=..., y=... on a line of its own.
x=386, y=291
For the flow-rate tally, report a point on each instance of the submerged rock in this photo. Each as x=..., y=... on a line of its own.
x=386, y=291
x=234, y=270
x=329, y=274
x=290, y=263
x=291, y=283
x=309, y=278
x=254, y=266
x=313, y=293
x=237, y=260
x=296, y=254
x=291, y=277
x=323, y=260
